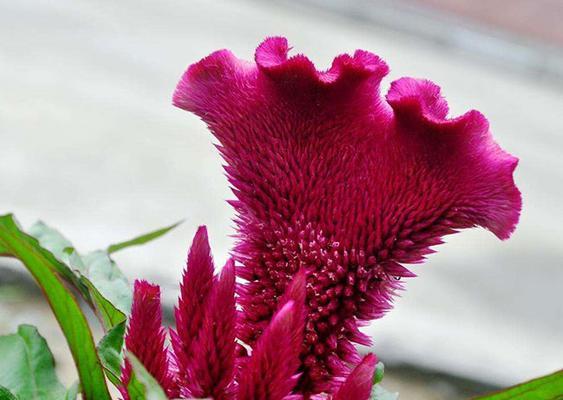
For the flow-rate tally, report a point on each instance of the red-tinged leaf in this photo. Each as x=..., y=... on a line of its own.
x=44, y=267
x=95, y=275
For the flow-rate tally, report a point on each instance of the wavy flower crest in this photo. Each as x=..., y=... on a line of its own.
x=335, y=180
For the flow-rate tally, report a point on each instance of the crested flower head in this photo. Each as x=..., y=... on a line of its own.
x=335, y=180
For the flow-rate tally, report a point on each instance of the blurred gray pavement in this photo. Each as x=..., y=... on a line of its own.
x=536, y=19
x=90, y=143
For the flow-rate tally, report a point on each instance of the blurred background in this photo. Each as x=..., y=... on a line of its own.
x=90, y=143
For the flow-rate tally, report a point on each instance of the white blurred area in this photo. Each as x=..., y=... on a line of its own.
x=90, y=143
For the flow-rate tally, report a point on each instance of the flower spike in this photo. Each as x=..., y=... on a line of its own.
x=197, y=282
x=359, y=383
x=146, y=337
x=271, y=371
x=212, y=368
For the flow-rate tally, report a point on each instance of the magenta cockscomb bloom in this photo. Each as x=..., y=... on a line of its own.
x=146, y=337
x=335, y=180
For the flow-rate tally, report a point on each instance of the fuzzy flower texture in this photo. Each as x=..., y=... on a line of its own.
x=337, y=189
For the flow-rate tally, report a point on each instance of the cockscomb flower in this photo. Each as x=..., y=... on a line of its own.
x=332, y=179
x=146, y=337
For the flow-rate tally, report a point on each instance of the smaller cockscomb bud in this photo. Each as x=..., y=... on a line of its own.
x=211, y=370
x=146, y=337
x=197, y=282
x=270, y=372
x=359, y=383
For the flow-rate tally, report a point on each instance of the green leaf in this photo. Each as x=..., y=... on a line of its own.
x=51, y=239
x=3, y=252
x=44, y=266
x=109, y=315
x=147, y=237
x=379, y=393
x=61, y=248
x=143, y=386
x=549, y=387
x=110, y=352
x=379, y=372
x=27, y=367
x=96, y=277
x=5, y=394
x=108, y=279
